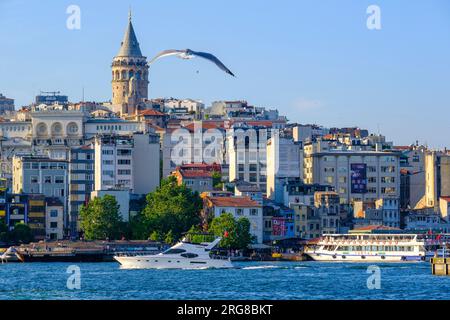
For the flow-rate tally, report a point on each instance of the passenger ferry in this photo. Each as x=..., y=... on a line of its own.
x=367, y=248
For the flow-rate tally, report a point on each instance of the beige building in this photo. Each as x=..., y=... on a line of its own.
x=129, y=75
x=437, y=177
x=355, y=175
x=54, y=132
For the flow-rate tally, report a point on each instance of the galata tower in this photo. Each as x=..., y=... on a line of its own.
x=129, y=75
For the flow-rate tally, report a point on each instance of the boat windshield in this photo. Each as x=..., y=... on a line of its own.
x=174, y=251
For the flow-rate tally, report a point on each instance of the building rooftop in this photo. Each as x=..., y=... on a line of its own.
x=129, y=46
x=239, y=202
x=192, y=174
x=244, y=186
x=152, y=112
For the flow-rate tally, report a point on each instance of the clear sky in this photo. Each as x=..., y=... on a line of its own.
x=315, y=61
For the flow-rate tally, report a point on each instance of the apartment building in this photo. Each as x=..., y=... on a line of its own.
x=246, y=155
x=41, y=175
x=81, y=183
x=355, y=174
x=284, y=161
x=130, y=162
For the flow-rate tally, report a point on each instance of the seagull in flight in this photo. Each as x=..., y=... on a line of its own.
x=189, y=54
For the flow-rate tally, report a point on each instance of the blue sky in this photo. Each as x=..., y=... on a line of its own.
x=313, y=60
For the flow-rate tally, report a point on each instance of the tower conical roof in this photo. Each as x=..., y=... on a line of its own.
x=129, y=46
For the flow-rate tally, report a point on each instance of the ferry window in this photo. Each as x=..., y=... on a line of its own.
x=174, y=251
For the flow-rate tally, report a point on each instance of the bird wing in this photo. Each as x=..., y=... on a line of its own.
x=167, y=53
x=214, y=59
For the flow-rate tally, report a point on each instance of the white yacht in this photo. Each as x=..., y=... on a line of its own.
x=183, y=255
x=367, y=248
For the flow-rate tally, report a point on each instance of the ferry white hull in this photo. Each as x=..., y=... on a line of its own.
x=161, y=262
x=335, y=257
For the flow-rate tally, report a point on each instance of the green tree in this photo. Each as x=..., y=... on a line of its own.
x=172, y=207
x=4, y=234
x=21, y=233
x=235, y=233
x=169, y=238
x=217, y=180
x=155, y=236
x=101, y=219
x=138, y=229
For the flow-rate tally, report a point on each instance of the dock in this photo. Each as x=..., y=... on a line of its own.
x=80, y=251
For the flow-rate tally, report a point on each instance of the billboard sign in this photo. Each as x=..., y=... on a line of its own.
x=358, y=178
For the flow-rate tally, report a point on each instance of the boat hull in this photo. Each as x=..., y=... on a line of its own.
x=160, y=262
x=335, y=257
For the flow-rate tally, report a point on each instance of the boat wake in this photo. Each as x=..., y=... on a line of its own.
x=260, y=267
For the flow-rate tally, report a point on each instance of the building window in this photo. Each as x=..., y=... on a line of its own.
x=124, y=161
x=59, y=179
x=53, y=224
x=47, y=179
x=124, y=152
x=54, y=213
x=34, y=179
x=253, y=212
x=239, y=212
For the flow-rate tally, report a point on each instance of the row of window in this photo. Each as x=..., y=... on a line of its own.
x=119, y=162
x=240, y=211
x=45, y=165
x=120, y=152
x=48, y=179
x=116, y=127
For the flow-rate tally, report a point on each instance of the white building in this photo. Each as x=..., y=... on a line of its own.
x=116, y=126
x=302, y=133
x=246, y=155
x=284, y=160
x=238, y=207
x=129, y=162
x=122, y=197
x=390, y=209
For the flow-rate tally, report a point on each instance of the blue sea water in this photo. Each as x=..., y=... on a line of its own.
x=262, y=280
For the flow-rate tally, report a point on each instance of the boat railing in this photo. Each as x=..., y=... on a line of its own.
x=134, y=253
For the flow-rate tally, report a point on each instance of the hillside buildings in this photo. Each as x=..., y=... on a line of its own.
x=290, y=180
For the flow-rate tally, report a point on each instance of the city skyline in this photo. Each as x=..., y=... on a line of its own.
x=322, y=69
